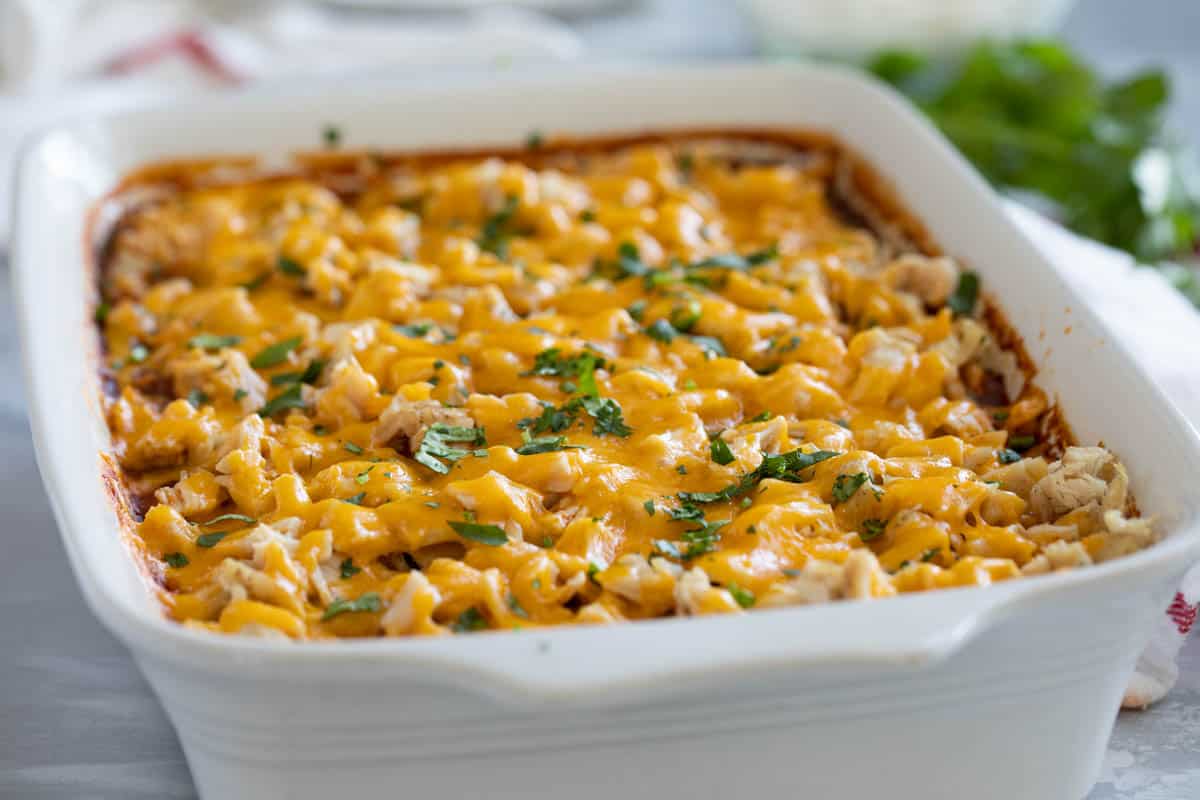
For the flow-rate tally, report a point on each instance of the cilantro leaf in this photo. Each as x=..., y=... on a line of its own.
x=844, y=486
x=368, y=602
x=469, y=621
x=966, y=294
x=211, y=341
x=291, y=397
x=497, y=229
x=744, y=597
x=491, y=535
x=721, y=452
x=872, y=529
x=275, y=354
x=436, y=445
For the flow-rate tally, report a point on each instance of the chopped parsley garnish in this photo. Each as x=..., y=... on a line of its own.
x=763, y=417
x=256, y=282
x=662, y=331
x=710, y=345
x=497, y=229
x=1021, y=443
x=231, y=518
x=210, y=341
x=238, y=394
x=684, y=318
x=210, y=539
x=348, y=570
x=544, y=444
x=1000, y=416
x=872, y=529
x=331, y=135
x=275, y=354
x=681, y=469
x=138, y=353
x=176, y=560
x=436, y=447
x=594, y=569
x=320, y=430
x=534, y=140
x=649, y=506
x=587, y=215
x=605, y=413
x=628, y=263
x=965, y=295
x=355, y=500
x=737, y=262
x=491, y=535
x=363, y=477
x=415, y=330
x=1007, y=456
x=844, y=486
x=930, y=554
x=785, y=467
x=744, y=597
x=514, y=605
x=310, y=375
x=469, y=620
x=290, y=267
x=103, y=308
x=197, y=398
x=351, y=447
x=368, y=602
x=291, y=397
x=721, y=452
x=552, y=363
x=637, y=310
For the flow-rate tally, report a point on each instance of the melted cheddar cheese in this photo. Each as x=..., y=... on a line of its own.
x=596, y=385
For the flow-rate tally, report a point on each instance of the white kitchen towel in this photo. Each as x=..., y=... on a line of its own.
x=1127, y=296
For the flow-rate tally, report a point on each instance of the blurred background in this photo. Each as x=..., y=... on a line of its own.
x=1083, y=112
x=1081, y=108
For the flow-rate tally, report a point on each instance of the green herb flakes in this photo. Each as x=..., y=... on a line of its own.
x=210, y=341
x=872, y=529
x=469, y=621
x=491, y=535
x=721, y=453
x=844, y=486
x=743, y=597
x=365, y=603
x=275, y=354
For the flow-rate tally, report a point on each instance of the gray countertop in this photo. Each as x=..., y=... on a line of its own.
x=76, y=718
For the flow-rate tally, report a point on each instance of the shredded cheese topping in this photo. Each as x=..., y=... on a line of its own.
x=661, y=379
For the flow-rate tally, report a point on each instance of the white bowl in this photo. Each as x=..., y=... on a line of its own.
x=993, y=694
x=855, y=28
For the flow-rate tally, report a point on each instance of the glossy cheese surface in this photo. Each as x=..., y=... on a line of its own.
x=496, y=393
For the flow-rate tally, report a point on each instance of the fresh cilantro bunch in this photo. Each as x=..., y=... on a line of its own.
x=1034, y=117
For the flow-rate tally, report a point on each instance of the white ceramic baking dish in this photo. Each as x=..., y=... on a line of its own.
x=993, y=694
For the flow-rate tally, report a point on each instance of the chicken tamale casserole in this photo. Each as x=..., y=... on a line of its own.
x=569, y=384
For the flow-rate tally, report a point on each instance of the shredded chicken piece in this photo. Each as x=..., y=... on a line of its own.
x=1086, y=477
x=931, y=279
x=821, y=581
x=412, y=418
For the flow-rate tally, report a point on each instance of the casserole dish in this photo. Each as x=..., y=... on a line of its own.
x=1027, y=672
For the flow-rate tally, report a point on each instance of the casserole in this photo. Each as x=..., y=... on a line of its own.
x=652, y=706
